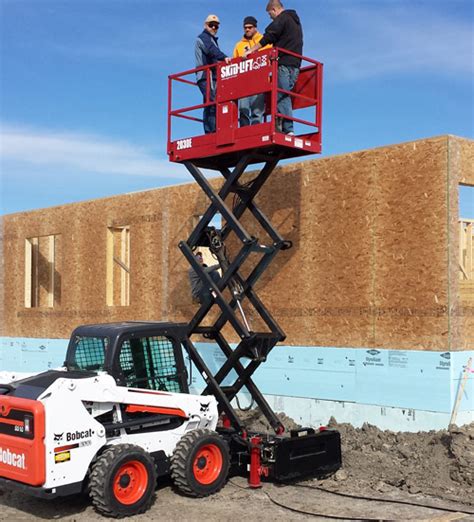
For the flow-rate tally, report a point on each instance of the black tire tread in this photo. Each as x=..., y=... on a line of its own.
x=98, y=478
x=179, y=463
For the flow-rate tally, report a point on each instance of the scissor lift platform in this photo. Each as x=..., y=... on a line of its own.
x=239, y=79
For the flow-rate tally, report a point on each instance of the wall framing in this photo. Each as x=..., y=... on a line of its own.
x=375, y=261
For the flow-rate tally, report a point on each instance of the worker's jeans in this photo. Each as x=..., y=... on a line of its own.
x=204, y=295
x=209, y=115
x=287, y=76
x=251, y=110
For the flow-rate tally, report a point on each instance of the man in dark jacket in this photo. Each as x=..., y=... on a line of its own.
x=285, y=32
x=207, y=52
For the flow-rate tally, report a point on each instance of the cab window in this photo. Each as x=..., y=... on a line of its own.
x=149, y=362
x=89, y=353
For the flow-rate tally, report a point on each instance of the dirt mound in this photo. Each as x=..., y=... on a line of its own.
x=255, y=421
x=438, y=463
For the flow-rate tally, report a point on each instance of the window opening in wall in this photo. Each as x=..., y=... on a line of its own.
x=466, y=251
x=466, y=242
x=118, y=266
x=215, y=222
x=42, y=281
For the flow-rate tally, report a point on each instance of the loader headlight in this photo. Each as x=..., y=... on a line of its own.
x=193, y=424
x=28, y=424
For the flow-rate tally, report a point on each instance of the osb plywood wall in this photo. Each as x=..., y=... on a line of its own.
x=373, y=264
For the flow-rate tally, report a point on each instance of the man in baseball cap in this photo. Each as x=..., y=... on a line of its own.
x=207, y=52
x=251, y=109
x=212, y=18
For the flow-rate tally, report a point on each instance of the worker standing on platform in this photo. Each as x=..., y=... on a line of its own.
x=207, y=52
x=285, y=32
x=251, y=108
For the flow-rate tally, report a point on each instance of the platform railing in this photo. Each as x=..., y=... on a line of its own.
x=307, y=92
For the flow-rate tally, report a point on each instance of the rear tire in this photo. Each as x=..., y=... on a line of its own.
x=200, y=463
x=122, y=481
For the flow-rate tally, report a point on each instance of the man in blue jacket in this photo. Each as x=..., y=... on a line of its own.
x=207, y=52
x=285, y=32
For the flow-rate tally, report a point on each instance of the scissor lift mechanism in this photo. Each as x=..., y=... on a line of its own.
x=230, y=151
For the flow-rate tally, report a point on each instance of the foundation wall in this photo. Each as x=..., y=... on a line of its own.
x=313, y=383
x=374, y=259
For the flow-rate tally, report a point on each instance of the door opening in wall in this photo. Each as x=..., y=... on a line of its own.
x=466, y=242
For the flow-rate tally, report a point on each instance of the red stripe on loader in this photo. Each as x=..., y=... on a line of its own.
x=135, y=408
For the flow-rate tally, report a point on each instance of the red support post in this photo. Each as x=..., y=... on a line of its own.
x=226, y=421
x=255, y=462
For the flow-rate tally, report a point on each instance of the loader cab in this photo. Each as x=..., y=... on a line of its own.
x=145, y=355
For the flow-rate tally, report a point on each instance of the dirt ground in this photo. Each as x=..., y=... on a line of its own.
x=433, y=468
x=437, y=463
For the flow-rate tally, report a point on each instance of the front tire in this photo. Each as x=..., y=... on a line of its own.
x=200, y=463
x=122, y=481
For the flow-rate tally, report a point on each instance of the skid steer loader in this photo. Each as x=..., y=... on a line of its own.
x=118, y=415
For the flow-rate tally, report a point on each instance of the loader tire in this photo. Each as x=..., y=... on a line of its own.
x=200, y=463
x=122, y=481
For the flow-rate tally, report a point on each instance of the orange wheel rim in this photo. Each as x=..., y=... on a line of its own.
x=207, y=464
x=130, y=482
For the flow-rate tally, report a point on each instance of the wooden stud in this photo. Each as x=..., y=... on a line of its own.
x=110, y=267
x=51, y=261
x=28, y=273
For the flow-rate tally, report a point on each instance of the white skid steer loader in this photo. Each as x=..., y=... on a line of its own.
x=118, y=415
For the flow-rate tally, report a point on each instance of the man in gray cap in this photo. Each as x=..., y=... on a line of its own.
x=251, y=109
x=207, y=52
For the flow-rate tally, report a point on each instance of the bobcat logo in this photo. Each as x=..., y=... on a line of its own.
x=58, y=437
x=204, y=407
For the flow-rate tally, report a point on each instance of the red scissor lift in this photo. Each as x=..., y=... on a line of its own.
x=230, y=150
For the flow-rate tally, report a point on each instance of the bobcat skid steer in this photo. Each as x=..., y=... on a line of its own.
x=119, y=415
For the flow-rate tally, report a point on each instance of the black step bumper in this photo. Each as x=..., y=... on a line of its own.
x=34, y=491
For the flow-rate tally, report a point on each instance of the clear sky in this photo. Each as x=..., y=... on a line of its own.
x=84, y=84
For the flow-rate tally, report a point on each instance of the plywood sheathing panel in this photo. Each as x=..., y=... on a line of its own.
x=461, y=170
x=322, y=208
x=369, y=266
x=411, y=244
